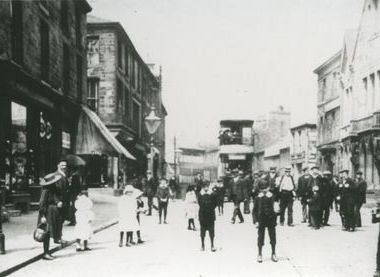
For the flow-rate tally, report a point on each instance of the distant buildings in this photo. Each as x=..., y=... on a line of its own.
x=349, y=123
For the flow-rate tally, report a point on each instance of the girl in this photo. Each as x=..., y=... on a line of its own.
x=163, y=195
x=191, y=207
x=128, y=222
x=84, y=216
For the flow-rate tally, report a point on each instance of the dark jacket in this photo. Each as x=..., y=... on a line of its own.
x=304, y=183
x=263, y=209
x=315, y=203
x=150, y=187
x=237, y=189
x=327, y=192
x=207, y=204
x=315, y=182
x=361, y=196
x=348, y=193
x=163, y=193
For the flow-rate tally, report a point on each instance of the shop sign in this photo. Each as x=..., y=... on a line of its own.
x=66, y=142
x=236, y=157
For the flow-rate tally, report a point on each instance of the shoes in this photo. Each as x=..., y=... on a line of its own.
x=189, y=228
x=149, y=214
x=291, y=225
x=326, y=224
x=165, y=222
x=233, y=221
x=241, y=221
x=274, y=258
x=202, y=248
x=48, y=257
x=120, y=244
x=159, y=222
x=127, y=245
x=132, y=243
x=213, y=249
x=60, y=241
x=71, y=224
x=259, y=259
x=79, y=250
x=140, y=241
x=303, y=221
x=281, y=223
x=376, y=274
x=87, y=249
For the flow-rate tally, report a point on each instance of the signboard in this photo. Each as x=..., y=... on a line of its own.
x=66, y=140
x=236, y=157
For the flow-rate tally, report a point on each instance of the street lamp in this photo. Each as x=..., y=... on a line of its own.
x=152, y=122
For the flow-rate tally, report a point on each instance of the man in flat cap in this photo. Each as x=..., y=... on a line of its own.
x=348, y=201
x=316, y=182
x=237, y=194
x=304, y=183
x=327, y=197
x=150, y=190
x=361, y=186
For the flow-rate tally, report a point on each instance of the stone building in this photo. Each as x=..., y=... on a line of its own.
x=268, y=130
x=303, y=147
x=42, y=85
x=277, y=155
x=358, y=98
x=122, y=90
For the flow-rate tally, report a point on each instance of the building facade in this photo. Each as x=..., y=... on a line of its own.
x=303, y=147
x=122, y=90
x=42, y=87
x=358, y=146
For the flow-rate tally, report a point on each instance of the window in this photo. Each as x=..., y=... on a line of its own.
x=365, y=86
x=66, y=69
x=132, y=71
x=17, y=31
x=136, y=73
x=136, y=118
x=79, y=78
x=65, y=16
x=119, y=54
x=126, y=104
x=372, y=91
x=78, y=28
x=93, y=94
x=126, y=60
x=323, y=90
x=93, y=50
x=45, y=50
x=119, y=96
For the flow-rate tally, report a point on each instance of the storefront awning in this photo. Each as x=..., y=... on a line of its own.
x=94, y=137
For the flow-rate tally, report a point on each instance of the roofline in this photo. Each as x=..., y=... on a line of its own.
x=328, y=62
x=311, y=125
x=237, y=120
x=120, y=28
x=86, y=6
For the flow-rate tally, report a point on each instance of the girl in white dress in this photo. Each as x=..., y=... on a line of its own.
x=128, y=222
x=84, y=216
x=191, y=207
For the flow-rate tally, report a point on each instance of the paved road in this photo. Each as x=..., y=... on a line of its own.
x=172, y=250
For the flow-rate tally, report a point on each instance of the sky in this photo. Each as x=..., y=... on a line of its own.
x=233, y=58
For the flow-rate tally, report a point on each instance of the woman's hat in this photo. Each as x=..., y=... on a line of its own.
x=129, y=188
x=50, y=179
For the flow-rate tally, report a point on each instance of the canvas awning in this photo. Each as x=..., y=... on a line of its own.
x=94, y=137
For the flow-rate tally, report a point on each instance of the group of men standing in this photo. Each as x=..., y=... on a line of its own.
x=318, y=194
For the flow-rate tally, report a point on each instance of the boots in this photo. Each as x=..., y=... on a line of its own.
x=274, y=258
x=260, y=255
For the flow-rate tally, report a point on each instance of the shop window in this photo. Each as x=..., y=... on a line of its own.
x=93, y=94
x=45, y=50
x=93, y=50
x=19, y=151
x=17, y=31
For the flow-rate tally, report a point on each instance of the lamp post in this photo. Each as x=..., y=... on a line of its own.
x=152, y=122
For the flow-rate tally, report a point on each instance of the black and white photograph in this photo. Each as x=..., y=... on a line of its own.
x=194, y=138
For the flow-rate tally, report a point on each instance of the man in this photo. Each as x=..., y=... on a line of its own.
x=264, y=212
x=272, y=177
x=327, y=197
x=248, y=184
x=361, y=186
x=63, y=193
x=304, y=182
x=237, y=194
x=75, y=187
x=287, y=193
x=150, y=190
x=316, y=181
x=199, y=183
x=173, y=187
x=348, y=201
x=206, y=214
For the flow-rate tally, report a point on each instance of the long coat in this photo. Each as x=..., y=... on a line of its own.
x=304, y=183
x=237, y=189
x=361, y=192
x=63, y=194
x=150, y=187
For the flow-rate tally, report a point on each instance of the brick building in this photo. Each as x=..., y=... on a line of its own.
x=303, y=147
x=122, y=90
x=42, y=85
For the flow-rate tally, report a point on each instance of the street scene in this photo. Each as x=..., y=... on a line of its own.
x=190, y=138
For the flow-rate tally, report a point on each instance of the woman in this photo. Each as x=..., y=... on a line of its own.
x=49, y=217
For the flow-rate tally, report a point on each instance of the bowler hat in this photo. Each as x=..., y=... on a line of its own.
x=327, y=172
x=344, y=170
x=51, y=179
x=315, y=167
x=288, y=169
x=272, y=168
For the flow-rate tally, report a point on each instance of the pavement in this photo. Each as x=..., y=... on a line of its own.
x=172, y=250
x=19, y=243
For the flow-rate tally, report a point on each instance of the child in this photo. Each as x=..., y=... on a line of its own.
x=207, y=205
x=315, y=208
x=191, y=207
x=220, y=192
x=163, y=195
x=84, y=216
x=128, y=222
x=140, y=209
x=265, y=214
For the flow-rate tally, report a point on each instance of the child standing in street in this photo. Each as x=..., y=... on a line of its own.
x=163, y=195
x=191, y=207
x=128, y=222
x=265, y=214
x=84, y=216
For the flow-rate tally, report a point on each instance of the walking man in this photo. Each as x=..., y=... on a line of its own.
x=348, y=201
x=150, y=190
x=304, y=182
x=327, y=197
x=248, y=185
x=361, y=186
x=237, y=194
x=287, y=193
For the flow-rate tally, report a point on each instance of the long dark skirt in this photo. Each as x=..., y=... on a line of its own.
x=55, y=221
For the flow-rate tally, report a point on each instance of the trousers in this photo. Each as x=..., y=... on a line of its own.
x=286, y=202
x=261, y=235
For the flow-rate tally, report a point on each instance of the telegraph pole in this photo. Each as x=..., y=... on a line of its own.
x=175, y=158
